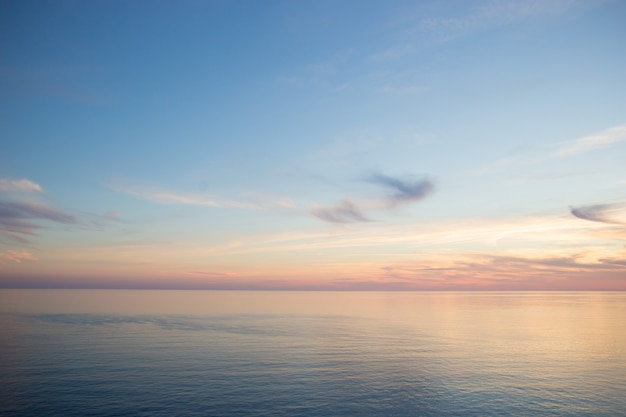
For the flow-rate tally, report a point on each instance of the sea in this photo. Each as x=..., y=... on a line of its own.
x=282, y=353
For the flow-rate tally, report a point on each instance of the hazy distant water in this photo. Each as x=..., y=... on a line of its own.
x=188, y=353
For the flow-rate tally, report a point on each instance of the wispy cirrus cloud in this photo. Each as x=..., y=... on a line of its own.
x=112, y=214
x=19, y=211
x=545, y=233
x=19, y=217
x=344, y=212
x=15, y=210
x=404, y=90
x=509, y=272
x=495, y=13
x=21, y=185
x=590, y=143
x=199, y=199
x=392, y=53
x=600, y=140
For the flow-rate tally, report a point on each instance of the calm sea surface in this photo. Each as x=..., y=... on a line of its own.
x=222, y=353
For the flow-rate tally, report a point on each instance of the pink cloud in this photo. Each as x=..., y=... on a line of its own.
x=17, y=256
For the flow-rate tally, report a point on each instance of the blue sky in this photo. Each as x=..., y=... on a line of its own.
x=240, y=144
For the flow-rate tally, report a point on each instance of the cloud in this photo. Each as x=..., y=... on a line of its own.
x=495, y=13
x=17, y=256
x=168, y=197
x=112, y=214
x=22, y=185
x=32, y=210
x=344, y=212
x=599, y=140
x=393, y=53
x=195, y=199
x=403, y=90
x=16, y=217
x=602, y=139
x=509, y=272
x=403, y=191
x=603, y=213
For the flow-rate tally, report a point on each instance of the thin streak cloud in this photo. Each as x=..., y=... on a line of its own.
x=507, y=271
x=194, y=199
x=494, y=13
x=590, y=143
x=17, y=256
x=18, y=218
x=14, y=210
x=15, y=217
x=344, y=212
x=603, y=139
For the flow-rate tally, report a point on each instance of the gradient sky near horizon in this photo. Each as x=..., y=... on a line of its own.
x=427, y=145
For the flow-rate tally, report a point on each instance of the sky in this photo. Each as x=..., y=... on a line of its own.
x=324, y=145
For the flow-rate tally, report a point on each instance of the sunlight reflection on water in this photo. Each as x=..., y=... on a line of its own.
x=311, y=353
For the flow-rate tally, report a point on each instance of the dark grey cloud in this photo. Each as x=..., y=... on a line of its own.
x=344, y=212
x=403, y=191
x=596, y=213
x=18, y=217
